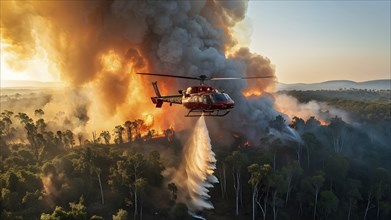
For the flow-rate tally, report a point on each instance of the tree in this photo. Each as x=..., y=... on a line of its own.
x=353, y=194
x=236, y=160
x=128, y=126
x=298, y=124
x=278, y=123
x=124, y=175
x=169, y=134
x=221, y=170
x=257, y=174
x=41, y=125
x=95, y=139
x=328, y=203
x=89, y=162
x=276, y=145
x=78, y=212
x=31, y=131
x=289, y=171
x=277, y=183
x=313, y=184
x=154, y=168
x=382, y=183
x=106, y=136
x=138, y=124
x=39, y=112
x=59, y=139
x=118, y=131
x=68, y=139
x=376, y=190
x=339, y=134
x=80, y=138
x=336, y=168
x=121, y=215
x=312, y=124
x=5, y=125
x=311, y=143
x=140, y=188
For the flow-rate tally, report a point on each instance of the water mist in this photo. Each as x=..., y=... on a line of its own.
x=195, y=174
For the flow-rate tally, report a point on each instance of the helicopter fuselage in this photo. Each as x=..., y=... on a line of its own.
x=201, y=99
x=206, y=98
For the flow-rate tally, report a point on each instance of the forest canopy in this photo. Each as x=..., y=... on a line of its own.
x=339, y=170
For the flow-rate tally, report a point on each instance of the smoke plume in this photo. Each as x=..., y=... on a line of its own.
x=99, y=45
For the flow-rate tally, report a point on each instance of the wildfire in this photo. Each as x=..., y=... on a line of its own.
x=111, y=61
x=252, y=92
x=148, y=119
x=322, y=122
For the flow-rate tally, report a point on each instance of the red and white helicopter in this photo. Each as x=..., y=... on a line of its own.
x=201, y=99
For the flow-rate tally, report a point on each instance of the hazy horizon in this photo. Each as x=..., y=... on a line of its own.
x=51, y=84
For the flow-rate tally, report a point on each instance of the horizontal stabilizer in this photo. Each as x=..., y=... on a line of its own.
x=157, y=101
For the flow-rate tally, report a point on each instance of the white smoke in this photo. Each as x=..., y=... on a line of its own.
x=195, y=175
x=292, y=107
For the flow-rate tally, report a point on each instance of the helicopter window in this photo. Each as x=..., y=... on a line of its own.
x=219, y=97
x=194, y=90
x=228, y=98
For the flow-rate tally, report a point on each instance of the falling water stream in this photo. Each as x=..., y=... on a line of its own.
x=198, y=165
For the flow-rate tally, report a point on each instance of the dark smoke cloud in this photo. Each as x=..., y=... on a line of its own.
x=177, y=37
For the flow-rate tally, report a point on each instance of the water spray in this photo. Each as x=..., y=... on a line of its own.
x=195, y=176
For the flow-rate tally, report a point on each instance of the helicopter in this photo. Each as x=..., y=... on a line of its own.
x=201, y=99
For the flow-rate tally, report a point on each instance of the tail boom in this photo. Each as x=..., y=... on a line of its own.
x=158, y=99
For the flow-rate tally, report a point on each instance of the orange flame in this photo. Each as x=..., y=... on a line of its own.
x=322, y=122
x=111, y=61
x=252, y=92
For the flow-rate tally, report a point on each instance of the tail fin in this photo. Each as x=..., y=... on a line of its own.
x=154, y=84
x=156, y=99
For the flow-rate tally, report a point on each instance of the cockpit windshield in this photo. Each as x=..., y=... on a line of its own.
x=220, y=97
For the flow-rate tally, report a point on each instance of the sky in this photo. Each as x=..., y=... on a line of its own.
x=315, y=41
x=307, y=41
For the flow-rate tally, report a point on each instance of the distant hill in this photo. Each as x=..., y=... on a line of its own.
x=329, y=85
x=29, y=84
x=384, y=84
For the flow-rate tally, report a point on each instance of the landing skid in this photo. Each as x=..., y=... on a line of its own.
x=212, y=113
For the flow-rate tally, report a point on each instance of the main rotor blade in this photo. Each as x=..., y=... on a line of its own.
x=166, y=75
x=248, y=77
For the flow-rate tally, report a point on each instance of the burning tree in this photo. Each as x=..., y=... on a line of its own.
x=118, y=132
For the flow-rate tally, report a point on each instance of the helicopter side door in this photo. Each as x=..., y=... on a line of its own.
x=206, y=102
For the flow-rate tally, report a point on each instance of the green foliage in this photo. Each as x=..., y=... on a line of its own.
x=121, y=215
x=96, y=217
x=48, y=171
x=78, y=212
x=328, y=203
x=179, y=212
